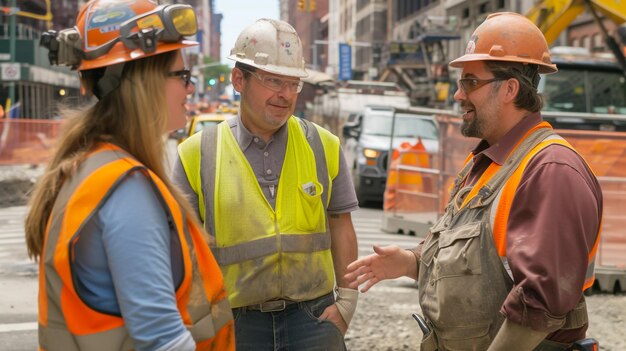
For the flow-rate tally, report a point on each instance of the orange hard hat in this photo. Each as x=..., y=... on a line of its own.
x=117, y=31
x=509, y=37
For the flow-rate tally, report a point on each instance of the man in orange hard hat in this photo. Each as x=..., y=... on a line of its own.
x=505, y=267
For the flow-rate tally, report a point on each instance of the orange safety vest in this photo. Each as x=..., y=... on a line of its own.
x=502, y=204
x=66, y=322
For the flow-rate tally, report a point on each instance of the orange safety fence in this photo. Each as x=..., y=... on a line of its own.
x=27, y=141
x=404, y=179
x=604, y=151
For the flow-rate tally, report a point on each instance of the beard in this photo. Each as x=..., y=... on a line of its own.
x=472, y=128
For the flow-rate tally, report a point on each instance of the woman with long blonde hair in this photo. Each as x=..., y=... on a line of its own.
x=123, y=264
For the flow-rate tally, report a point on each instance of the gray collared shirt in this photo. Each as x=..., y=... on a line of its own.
x=266, y=160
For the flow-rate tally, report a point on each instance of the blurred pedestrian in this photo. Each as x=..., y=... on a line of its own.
x=123, y=264
x=275, y=191
x=505, y=267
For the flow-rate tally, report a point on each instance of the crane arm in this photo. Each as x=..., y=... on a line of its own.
x=553, y=16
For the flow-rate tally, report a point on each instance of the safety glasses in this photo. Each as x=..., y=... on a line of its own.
x=183, y=74
x=276, y=84
x=470, y=84
x=166, y=23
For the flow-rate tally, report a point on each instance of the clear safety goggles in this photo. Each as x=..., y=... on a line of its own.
x=166, y=23
x=276, y=84
x=468, y=85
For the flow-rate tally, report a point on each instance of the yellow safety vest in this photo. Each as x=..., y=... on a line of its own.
x=267, y=253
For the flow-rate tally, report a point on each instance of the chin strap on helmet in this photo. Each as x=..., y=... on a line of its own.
x=109, y=81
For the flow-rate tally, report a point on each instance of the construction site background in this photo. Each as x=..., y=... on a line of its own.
x=419, y=183
x=26, y=145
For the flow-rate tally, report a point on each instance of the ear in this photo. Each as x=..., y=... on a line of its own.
x=511, y=90
x=237, y=79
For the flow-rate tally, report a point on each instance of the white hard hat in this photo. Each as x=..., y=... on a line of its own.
x=272, y=46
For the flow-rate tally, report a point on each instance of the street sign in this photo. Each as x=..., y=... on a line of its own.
x=10, y=71
x=4, y=57
x=345, y=61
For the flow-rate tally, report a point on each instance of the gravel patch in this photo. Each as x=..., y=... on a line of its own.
x=16, y=182
x=383, y=319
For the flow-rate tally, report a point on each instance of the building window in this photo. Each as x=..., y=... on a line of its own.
x=483, y=8
x=598, y=43
x=586, y=42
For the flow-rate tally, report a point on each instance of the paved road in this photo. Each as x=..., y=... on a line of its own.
x=18, y=275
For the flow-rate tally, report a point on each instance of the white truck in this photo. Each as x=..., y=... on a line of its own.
x=360, y=112
x=370, y=137
x=336, y=105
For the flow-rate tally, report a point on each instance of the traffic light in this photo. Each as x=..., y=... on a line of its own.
x=212, y=81
x=222, y=78
x=301, y=5
x=312, y=5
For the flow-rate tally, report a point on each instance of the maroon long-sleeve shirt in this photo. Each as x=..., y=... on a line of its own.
x=552, y=227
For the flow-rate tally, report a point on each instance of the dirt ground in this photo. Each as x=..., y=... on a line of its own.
x=16, y=182
x=383, y=319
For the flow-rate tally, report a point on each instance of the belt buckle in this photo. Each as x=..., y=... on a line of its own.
x=273, y=306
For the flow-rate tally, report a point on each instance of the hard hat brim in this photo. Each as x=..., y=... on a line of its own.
x=120, y=56
x=544, y=68
x=280, y=70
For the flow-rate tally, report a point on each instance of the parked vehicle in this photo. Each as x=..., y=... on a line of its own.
x=368, y=140
x=338, y=104
x=587, y=93
x=199, y=122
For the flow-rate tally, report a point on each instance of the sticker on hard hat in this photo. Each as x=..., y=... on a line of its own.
x=107, y=16
x=471, y=46
x=287, y=46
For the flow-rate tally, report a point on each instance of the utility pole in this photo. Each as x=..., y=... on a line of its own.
x=12, y=55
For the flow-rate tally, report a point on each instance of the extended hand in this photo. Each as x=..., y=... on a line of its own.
x=331, y=314
x=387, y=262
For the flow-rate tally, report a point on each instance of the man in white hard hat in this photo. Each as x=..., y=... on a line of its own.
x=275, y=192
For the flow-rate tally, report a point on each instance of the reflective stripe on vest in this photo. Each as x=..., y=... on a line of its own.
x=502, y=207
x=264, y=253
x=66, y=322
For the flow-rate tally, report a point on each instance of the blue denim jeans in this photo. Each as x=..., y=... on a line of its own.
x=295, y=328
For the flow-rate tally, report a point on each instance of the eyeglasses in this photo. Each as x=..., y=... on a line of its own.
x=183, y=74
x=470, y=84
x=276, y=84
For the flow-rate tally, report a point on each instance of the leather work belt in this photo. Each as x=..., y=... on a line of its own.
x=281, y=305
x=271, y=306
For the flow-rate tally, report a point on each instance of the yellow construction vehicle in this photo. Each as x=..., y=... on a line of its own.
x=554, y=16
x=589, y=90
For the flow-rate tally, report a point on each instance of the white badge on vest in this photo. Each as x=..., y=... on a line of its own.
x=309, y=188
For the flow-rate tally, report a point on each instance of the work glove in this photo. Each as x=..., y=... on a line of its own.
x=346, y=302
x=513, y=336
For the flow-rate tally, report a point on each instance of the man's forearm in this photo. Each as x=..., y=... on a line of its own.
x=344, y=250
x=343, y=245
